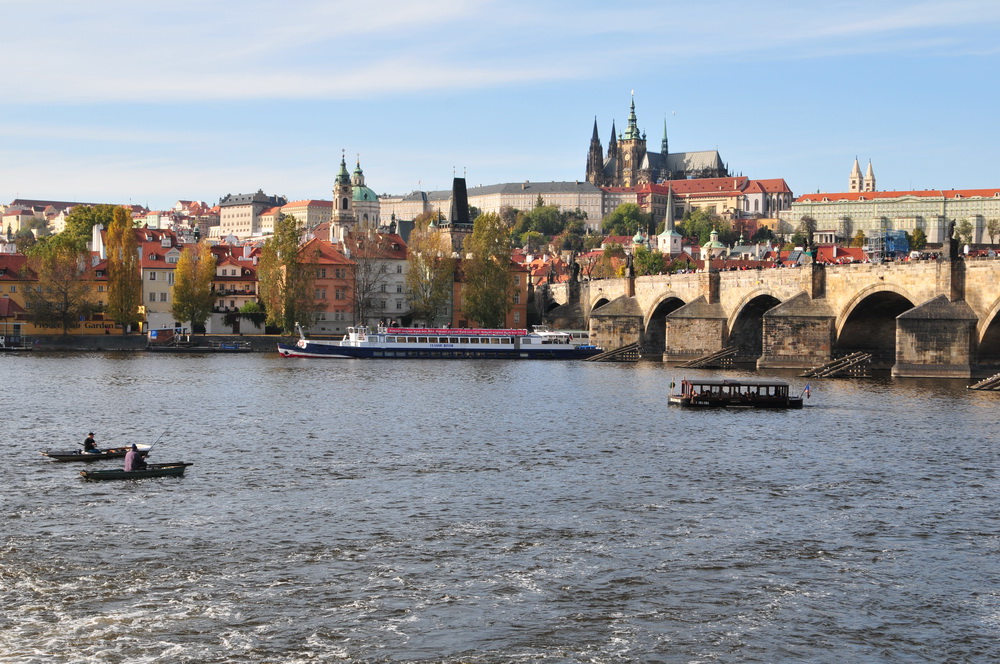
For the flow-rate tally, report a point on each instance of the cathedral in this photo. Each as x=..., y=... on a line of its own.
x=628, y=164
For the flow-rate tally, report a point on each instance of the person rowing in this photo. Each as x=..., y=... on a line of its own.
x=90, y=445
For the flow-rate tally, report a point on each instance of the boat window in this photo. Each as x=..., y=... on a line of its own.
x=453, y=340
x=411, y=340
x=495, y=340
x=474, y=340
x=421, y=340
x=390, y=340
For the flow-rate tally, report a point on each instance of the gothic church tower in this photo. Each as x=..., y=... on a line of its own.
x=632, y=152
x=595, y=160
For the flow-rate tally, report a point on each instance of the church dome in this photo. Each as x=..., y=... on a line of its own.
x=364, y=194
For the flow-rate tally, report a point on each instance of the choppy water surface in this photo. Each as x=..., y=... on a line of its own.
x=430, y=511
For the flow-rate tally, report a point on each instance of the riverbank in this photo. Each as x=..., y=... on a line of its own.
x=138, y=342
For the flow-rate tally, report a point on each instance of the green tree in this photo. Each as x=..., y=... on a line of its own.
x=647, y=262
x=805, y=230
x=124, y=277
x=61, y=296
x=627, y=219
x=918, y=241
x=545, y=219
x=698, y=224
x=81, y=220
x=963, y=231
x=285, y=279
x=993, y=228
x=430, y=274
x=533, y=240
x=487, y=293
x=191, y=296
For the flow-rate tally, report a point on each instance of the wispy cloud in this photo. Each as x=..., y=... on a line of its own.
x=187, y=50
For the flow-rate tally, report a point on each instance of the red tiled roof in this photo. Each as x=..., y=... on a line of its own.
x=883, y=195
x=8, y=308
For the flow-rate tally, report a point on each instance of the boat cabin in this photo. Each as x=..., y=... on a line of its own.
x=735, y=393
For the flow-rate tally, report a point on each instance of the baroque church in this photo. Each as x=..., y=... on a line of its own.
x=629, y=164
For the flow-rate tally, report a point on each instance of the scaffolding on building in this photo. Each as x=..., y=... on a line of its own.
x=875, y=243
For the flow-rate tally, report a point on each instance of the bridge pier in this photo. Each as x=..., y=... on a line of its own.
x=936, y=340
x=797, y=333
x=698, y=328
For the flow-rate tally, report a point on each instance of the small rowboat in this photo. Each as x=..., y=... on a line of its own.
x=79, y=455
x=152, y=470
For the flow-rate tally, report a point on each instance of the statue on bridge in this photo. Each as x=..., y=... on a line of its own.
x=952, y=242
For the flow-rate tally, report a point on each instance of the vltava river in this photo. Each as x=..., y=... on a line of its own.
x=464, y=511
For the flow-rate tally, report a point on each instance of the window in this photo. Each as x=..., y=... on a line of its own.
x=399, y=268
x=163, y=297
x=517, y=316
x=340, y=273
x=383, y=288
x=517, y=297
x=338, y=294
x=152, y=297
x=152, y=276
x=321, y=273
x=399, y=288
x=13, y=289
x=320, y=293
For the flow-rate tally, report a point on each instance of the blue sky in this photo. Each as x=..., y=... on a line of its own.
x=148, y=103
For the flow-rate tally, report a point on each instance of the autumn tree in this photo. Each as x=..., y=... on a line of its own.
x=487, y=293
x=124, y=277
x=918, y=240
x=285, y=279
x=61, y=296
x=191, y=296
x=859, y=239
x=372, y=255
x=430, y=274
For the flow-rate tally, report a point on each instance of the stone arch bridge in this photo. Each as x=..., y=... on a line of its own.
x=921, y=318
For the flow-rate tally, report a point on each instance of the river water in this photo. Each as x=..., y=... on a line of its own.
x=493, y=511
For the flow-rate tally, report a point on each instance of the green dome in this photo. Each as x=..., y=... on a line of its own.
x=364, y=194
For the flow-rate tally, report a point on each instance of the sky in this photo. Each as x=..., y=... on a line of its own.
x=148, y=103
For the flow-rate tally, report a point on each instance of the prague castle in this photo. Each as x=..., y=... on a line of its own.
x=629, y=164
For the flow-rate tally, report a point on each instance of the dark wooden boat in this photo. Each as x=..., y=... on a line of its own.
x=152, y=470
x=736, y=393
x=80, y=455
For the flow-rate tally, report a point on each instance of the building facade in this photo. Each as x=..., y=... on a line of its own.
x=239, y=214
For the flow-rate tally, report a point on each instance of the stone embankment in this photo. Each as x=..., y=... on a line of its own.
x=138, y=342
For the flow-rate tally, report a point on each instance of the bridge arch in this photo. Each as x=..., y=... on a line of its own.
x=868, y=322
x=655, y=325
x=746, y=323
x=988, y=335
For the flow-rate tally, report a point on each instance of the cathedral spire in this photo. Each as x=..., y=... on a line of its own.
x=613, y=143
x=632, y=132
x=663, y=144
